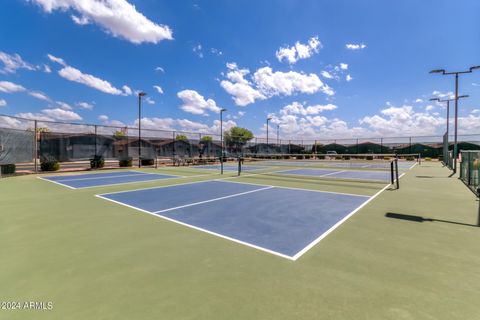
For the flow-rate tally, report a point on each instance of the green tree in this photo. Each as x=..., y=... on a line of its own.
x=181, y=137
x=206, y=139
x=119, y=134
x=236, y=137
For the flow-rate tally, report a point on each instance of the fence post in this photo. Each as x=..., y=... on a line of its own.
x=410, y=144
x=35, y=146
x=95, y=141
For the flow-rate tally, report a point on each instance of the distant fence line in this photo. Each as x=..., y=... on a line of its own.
x=22, y=140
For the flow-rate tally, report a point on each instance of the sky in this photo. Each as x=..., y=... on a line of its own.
x=319, y=69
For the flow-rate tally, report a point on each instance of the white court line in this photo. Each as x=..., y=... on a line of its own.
x=215, y=199
x=60, y=184
x=119, y=183
x=202, y=229
x=168, y=185
x=290, y=188
x=107, y=177
x=336, y=225
x=295, y=257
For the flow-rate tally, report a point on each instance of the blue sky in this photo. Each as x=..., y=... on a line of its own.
x=320, y=69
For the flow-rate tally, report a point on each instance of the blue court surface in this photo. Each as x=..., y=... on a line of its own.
x=402, y=165
x=283, y=221
x=89, y=180
x=340, y=174
x=228, y=167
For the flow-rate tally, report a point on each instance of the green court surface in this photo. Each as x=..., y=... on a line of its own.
x=97, y=260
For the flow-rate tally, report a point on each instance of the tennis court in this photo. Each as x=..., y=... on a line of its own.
x=339, y=174
x=258, y=216
x=227, y=167
x=89, y=180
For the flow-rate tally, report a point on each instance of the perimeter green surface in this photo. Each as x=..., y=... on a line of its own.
x=97, y=260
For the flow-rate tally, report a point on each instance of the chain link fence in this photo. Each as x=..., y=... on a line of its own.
x=26, y=143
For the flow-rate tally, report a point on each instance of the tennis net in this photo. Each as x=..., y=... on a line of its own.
x=358, y=169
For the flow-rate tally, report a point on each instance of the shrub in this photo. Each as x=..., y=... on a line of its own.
x=125, y=162
x=410, y=159
x=475, y=164
x=147, y=162
x=428, y=159
x=97, y=162
x=49, y=163
x=369, y=157
x=8, y=168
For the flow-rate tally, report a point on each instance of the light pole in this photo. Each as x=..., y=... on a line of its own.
x=278, y=134
x=456, y=73
x=221, y=139
x=140, y=95
x=268, y=119
x=448, y=107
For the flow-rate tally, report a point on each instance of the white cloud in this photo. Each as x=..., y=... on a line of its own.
x=46, y=68
x=117, y=17
x=353, y=46
x=51, y=115
x=75, y=75
x=103, y=117
x=403, y=121
x=85, y=105
x=326, y=74
x=60, y=114
x=216, y=52
x=267, y=83
x=443, y=95
x=64, y=105
x=198, y=50
x=80, y=20
x=13, y=62
x=418, y=100
x=469, y=124
x=195, y=103
x=299, y=51
x=298, y=108
x=159, y=89
x=429, y=107
x=56, y=60
x=343, y=66
x=127, y=91
x=348, y=78
x=39, y=95
x=160, y=69
x=240, y=88
x=287, y=83
x=3, y=103
x=10, y=87
x=476, y=84
x=149, y=100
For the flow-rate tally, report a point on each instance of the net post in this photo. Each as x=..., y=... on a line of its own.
x=396, y=173
x=35, y=146
x=478, y=216
x=392, y=181
x=239, y=166
x=96, y=140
